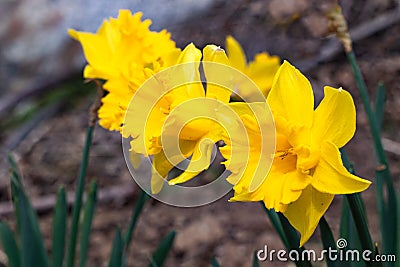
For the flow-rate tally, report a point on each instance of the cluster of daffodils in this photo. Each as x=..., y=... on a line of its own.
x=177, y=104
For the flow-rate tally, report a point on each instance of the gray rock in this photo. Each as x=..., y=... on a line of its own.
x=36, y=49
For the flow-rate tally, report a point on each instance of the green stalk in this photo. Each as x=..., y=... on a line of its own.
x=357, y=209
x=87, y=223
x=274, y=218
x=59, y=227
x=214, y=262
x=359, y=216
x=380, y=104
x=255, y=260
x=327, y=239
x=293, y=239
x=116, y=250
x=388, y=216
x=348, y=231
x=138, y=209
x=160, y=255
x=375, y=131
x=78, y=199
x=10, y=245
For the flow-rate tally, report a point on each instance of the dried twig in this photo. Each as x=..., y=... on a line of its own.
x=391, y=146
x=358, y=33
x=94, y=108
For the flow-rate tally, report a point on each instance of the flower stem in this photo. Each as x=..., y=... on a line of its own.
x=388, y=216
x=78, y=200
x=274, y=218
x=359, y=216
x=293, y=240
x=373, y=123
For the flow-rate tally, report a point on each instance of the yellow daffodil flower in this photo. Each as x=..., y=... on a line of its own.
x=261, y=71
x=180, y=114
x=307, y=170
x=119, y=53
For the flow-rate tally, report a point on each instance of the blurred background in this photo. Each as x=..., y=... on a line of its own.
x=44, y=104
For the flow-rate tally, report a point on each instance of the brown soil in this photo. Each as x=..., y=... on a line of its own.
x=49, y=156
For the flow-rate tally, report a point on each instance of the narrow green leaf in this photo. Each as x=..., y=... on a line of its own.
x=78, y=200
x=357, y=209
x=387, y=213
x=348, y=231
x=138, y=209
x=132, y=224
x=117, y=250
x=398, y=225
x=380, y=104
x=355, y=204
x=32, y=244
x=214, y=262
x=59, y=227
x=387, y=207
x=293, y=239
x=388, y=225
x=10, y=246
x=88, y=213
x=255, y=260
x=327, y=239
x=161, y=253
x=274, y=218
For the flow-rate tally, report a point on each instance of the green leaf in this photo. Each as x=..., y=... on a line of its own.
x=59, y=227
x=32, y=244
x=10, y=246
x=327, y=239
x=161, y=253
x=117, y=250
x=348, y=231
x=293, y=239
x=380, y=104
x=357, y=209
x=255, y=260
x=87, y=223
x=398, y=225
x=274, y=218
x=138, y=209
x=214, y=262
x=387, y=207
x=78, y=200
x=388, y=217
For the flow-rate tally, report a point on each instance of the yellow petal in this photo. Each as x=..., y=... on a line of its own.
x=188, y=72
x=135, y=158
x=97, y=49
x=330, y=176
x=190, y=54
x=305, y=213
x=335, y=118
x=283, y=188
x=218, y=76
x=236, y=55
x=250, y=144
x=291, y=96
x=161, y=167
x=262, y=71
x=111, y=113
x=200, y=161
